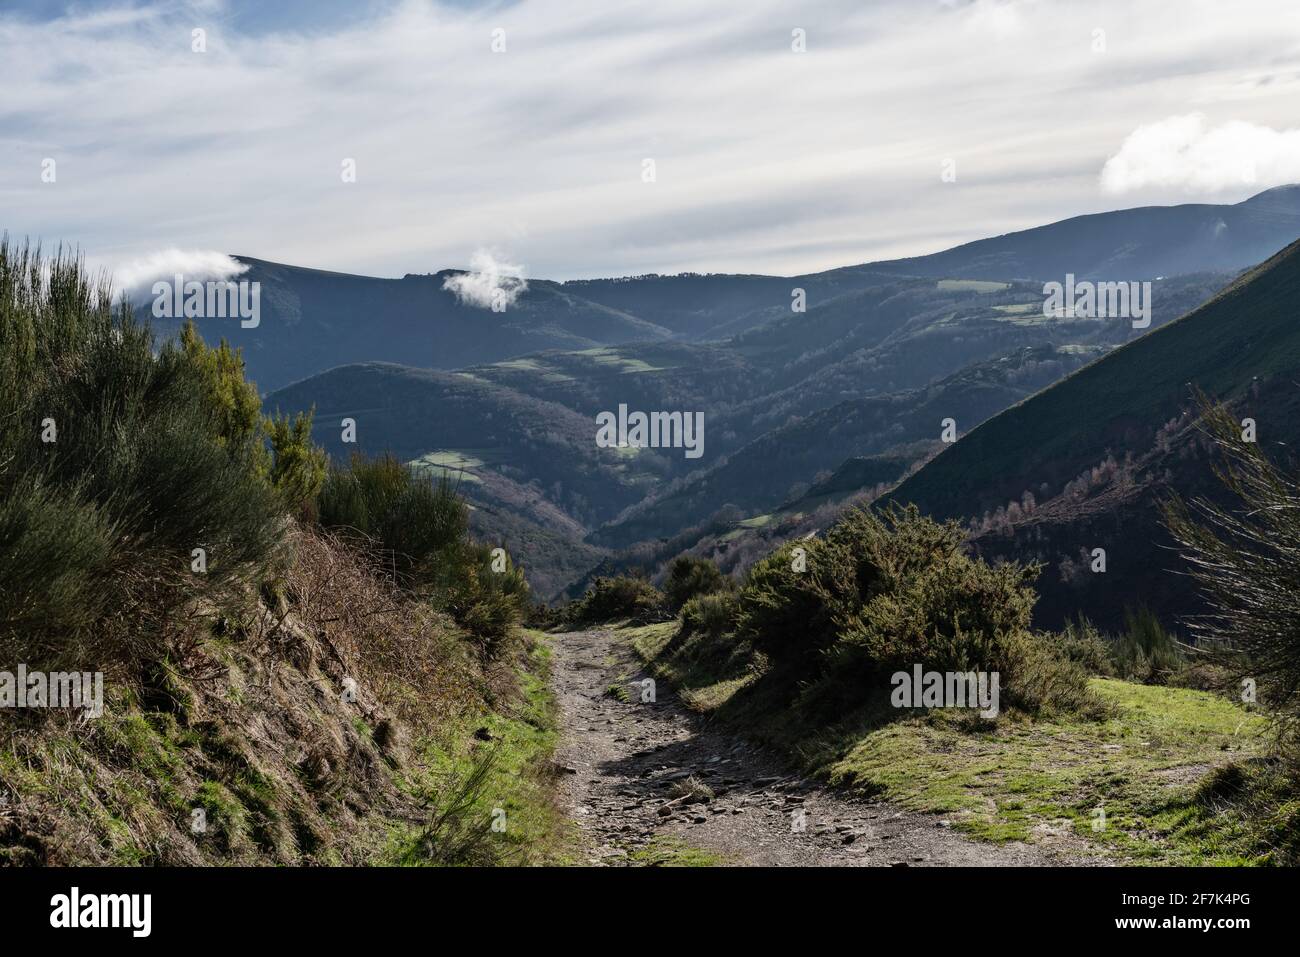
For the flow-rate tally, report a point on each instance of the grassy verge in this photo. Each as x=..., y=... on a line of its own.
x=1149, y=767
x=491, y=779
x=214, y=779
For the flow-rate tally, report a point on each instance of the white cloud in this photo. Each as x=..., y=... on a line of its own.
x=1184, y=153
x=136, y=277
x=489, y=283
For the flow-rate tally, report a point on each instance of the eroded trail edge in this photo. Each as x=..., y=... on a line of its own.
x=649, y=781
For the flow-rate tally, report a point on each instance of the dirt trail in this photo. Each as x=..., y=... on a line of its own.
x=630, y=762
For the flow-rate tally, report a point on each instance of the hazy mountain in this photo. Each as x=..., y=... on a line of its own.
x=1126, y=244
x=313, y=320
x=871, y=367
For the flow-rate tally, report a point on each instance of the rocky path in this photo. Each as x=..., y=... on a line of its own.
x=653, y=772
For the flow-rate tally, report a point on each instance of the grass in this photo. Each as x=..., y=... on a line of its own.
x=517, y=789
x=1141, y=767
x=607, y=356
x=702, y=687
x=674, y=852
x=1019, y=779
x=450, y=460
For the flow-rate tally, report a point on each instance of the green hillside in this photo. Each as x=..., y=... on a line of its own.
x=1247, y=334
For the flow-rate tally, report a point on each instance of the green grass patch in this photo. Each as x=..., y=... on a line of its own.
x=1140, y=767
x=674, y=852
x=449, y=460
x=1145, y=765
x=499, y=765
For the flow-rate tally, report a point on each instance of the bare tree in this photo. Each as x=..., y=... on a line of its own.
x=1246, y=557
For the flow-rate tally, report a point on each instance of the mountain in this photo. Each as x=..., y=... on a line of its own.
x=1096, y=452
x=882, y=354
x=312, y=320
x=1126, y=244
x=766, y=471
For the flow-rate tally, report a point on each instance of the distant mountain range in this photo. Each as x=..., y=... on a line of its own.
x=314, y=320
x=1126, y=244
x=792, y=400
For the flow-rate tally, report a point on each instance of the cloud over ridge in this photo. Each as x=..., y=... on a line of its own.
x=490, y=282
x=135, y=278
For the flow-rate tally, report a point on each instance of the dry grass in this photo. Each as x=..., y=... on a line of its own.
x=295, y=721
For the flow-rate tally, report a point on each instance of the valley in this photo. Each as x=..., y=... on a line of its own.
x=873, y=367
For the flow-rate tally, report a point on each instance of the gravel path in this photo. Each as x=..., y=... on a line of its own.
x=643, y=772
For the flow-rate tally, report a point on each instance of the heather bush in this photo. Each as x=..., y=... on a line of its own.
x=688, y=577
x=881, y=593
x=618, y=599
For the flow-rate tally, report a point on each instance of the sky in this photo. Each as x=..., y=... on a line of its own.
x=577, y=138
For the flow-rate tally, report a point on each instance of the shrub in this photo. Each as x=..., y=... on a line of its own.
x=1146, y=652
x=417, y=525
x=487, y=595
x=418, y=530
x=1244, y=554
x=689, y=576
x=787, y=613
x=1083, y=644
x=544, y=617
x=298, y=465
x=115, y=466
x=619, y=598
x=279, y=447
x=884, y=592
x=713, y=615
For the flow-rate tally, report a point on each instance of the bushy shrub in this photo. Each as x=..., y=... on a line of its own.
x=884, y=592
x=298, y=465
x=418, y=529
x=619, y=598
x=689, y=576
x=713, y=614
x=1083, y=644
x=1243, y=553
x=1145, y=651
x=789, y=602
x=280, y=447
x=487, y=594
x=544, y=617
x=115, y=467
x=417, y=525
